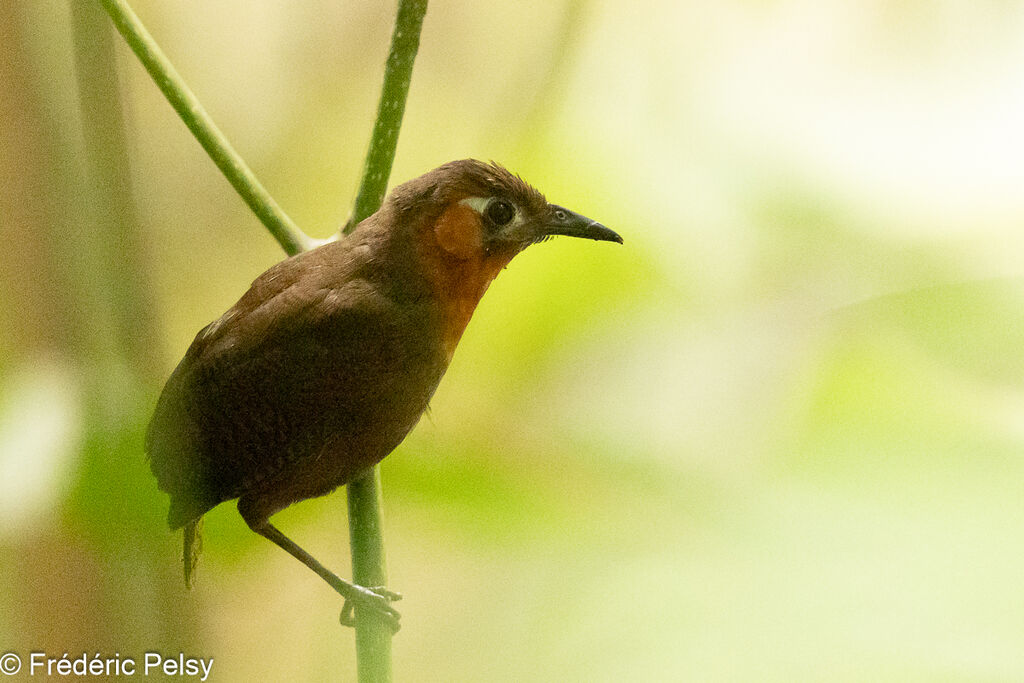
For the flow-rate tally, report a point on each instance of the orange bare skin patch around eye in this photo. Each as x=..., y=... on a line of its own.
x=460, y=267
x=459, y=231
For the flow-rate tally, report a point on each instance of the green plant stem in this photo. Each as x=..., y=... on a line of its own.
x=405, y=42
x=373, y=637
x=241, y=177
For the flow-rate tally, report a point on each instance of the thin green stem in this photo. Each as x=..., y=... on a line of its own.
x=405, y=42
x=373, y=637
x=241, y=177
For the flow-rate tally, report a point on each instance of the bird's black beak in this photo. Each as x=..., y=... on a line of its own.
x=560, y=221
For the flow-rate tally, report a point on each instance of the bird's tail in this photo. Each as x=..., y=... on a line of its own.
x=193, y=544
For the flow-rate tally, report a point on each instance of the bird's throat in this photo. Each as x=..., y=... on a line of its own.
x=464, y=289
x=460, y=269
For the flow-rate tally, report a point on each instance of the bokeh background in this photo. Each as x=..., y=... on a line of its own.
x=776, y=436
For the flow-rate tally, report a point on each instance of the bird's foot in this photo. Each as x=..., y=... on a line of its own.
x=376, y=599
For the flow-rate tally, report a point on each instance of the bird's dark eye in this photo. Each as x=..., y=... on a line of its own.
x=499, y=212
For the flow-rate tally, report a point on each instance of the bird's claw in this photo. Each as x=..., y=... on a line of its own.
x=390, y=596
x=376, y=599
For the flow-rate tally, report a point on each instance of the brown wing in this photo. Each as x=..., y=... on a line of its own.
x=311, y=353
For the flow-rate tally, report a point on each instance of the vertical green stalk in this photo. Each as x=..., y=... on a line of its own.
x=373, y=637
x=366, y=538
x=405, y=42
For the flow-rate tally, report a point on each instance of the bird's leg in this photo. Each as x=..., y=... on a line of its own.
x=376, y=600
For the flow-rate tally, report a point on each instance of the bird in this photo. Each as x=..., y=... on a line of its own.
x=331, y=357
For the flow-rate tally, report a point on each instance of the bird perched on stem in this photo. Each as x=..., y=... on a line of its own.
x=329, y=360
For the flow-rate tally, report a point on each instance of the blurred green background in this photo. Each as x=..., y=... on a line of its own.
x=777, y=436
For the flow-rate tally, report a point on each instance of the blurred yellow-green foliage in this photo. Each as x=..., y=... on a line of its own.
x=777, y=436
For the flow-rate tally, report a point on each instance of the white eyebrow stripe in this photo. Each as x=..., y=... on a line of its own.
x=478, y=204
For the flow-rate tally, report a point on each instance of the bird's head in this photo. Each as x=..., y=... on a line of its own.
x=468, y=220
x=476, y=209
